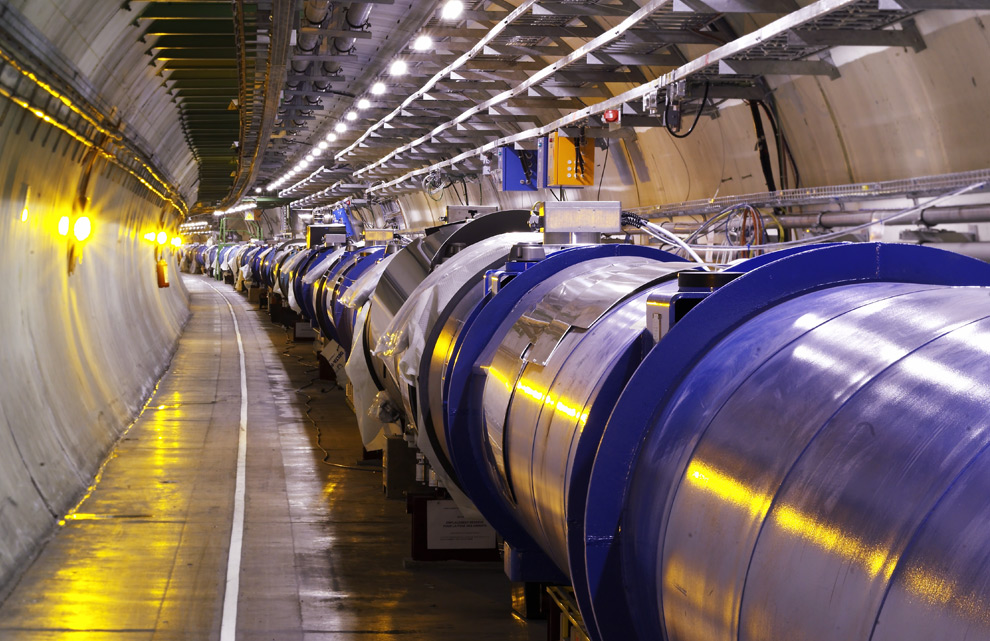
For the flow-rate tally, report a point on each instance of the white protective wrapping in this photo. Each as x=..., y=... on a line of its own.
x=325, y=263
x=356, y=368
x=287, y=269
x=240, y=269
x=372, y=429
x=360, y=292
x=401, y=348
x=314, y=274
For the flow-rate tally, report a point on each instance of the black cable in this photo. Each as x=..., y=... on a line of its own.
x=779, y=141
x=467, y=200
x=527, y=165
x=608, y=145
x=771, y=114
x=697, y=116
x=761, y=145
x=319, y=432
x=579, y=157
x=456, y=193
x=783, y=151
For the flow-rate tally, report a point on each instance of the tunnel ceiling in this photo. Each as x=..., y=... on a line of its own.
x=261, y=85
x=203, y=52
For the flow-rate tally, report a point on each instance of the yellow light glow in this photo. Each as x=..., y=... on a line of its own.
x=82, y=228
x=63, y=226
x=177, y=242
x=562, y=405
x=150, y=236
x=24, y=214
x=500, y=377
x=162, y=238
x=530, y=391
x=874, y=559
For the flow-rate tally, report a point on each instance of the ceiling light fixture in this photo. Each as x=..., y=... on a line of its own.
x=378, y=88
x=351, y=115
x=398, y=68
x=423, y=43
x=452, y=10
x=340, y=127
x=363, y=103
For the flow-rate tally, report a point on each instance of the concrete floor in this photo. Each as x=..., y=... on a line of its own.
x=144, y=556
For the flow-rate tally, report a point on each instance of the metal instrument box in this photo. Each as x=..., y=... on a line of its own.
x=517, y=169
x=570, y=161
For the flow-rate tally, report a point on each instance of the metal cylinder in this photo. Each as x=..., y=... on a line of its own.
x=578, y=338
x=979, y=250
x=533, y=369
x=933, y=216
x=810, y=452
x=821, y=437
x=412, y=264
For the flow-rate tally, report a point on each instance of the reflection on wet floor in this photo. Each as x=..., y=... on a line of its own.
x=144, y=555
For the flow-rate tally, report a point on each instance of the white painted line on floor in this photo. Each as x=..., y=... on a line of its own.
x=228, y=624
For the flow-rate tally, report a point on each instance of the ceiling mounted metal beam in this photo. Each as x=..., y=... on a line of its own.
x=188, y=27
x=186, y=11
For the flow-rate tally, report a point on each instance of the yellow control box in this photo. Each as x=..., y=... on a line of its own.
x=570, y=161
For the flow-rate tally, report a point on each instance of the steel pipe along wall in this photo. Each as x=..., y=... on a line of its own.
x=801, y=455
x=76, y=364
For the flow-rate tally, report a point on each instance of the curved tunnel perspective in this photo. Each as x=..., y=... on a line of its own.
x=502, y=319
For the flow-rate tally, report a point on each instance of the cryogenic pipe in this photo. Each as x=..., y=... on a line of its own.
x=932, y=216
x=356, y=18
x=978, y=250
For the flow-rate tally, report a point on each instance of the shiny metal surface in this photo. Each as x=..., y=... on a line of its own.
x=830, y=443
x=544, y=378
x=404, y=273
x=435, y=369
x=409, y=339
x=415, y=261
x=315, y=275
x=287, y=272
x=338, y=281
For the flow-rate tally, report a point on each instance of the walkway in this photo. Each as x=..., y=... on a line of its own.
x=145, y=555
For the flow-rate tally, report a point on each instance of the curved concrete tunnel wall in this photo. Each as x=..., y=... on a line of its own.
x=893, y=113
x=100, y=41
x=80, y=353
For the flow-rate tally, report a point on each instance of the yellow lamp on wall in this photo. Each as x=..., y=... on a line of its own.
x=82, y=228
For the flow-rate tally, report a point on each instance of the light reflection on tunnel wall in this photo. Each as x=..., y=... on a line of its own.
x=86, y=331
